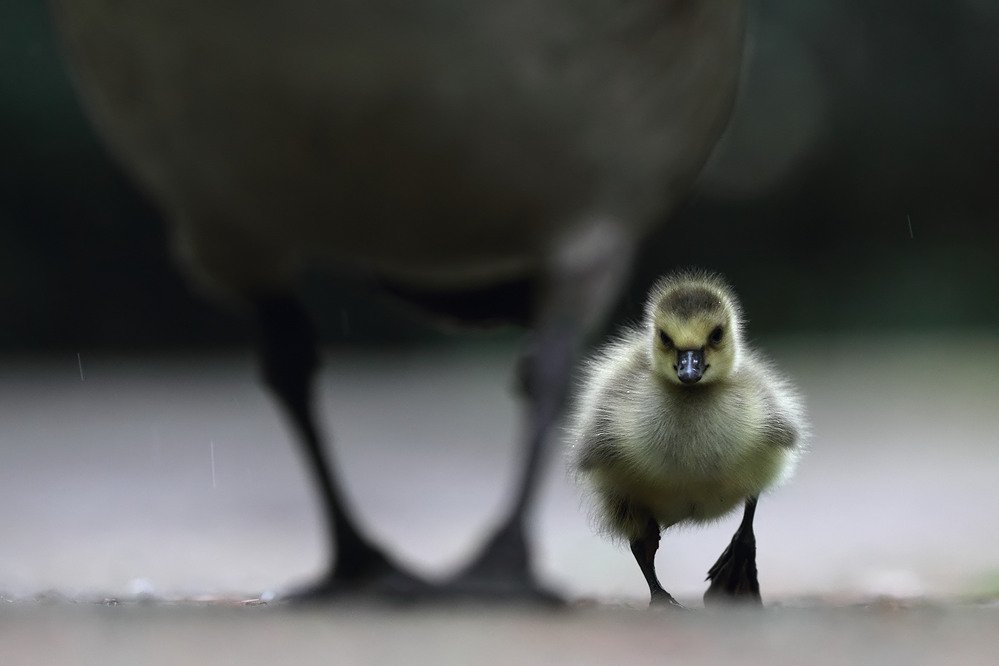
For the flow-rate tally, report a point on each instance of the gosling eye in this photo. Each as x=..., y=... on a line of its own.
x=665, y=339
x=716, y=335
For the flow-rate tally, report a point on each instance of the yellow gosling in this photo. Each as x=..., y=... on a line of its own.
x=679, y=421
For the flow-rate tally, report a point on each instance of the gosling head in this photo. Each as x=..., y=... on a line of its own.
x=696, y=326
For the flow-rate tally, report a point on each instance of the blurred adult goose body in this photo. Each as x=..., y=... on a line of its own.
x=679, y=421
x=485, y=160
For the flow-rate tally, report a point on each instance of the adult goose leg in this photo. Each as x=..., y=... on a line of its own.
x=583, y=280
x=289, y=358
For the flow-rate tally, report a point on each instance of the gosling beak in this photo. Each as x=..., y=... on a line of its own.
x=690, y=365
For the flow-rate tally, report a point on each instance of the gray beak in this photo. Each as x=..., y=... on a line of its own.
x=690, y=365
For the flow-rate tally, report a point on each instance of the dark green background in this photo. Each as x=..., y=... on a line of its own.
x=857, y=190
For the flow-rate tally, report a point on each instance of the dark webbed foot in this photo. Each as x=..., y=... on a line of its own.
x=379, y=582
x=661, y=599
x=733, y=577
x=502, y=573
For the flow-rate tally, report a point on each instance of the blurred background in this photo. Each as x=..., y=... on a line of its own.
x=856, y=189
x=853, y=203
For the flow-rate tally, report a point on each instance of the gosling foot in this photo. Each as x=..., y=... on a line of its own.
x=733, y=577
x=663, y=600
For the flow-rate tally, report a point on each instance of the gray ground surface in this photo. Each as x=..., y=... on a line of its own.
x=876, y=635
x=175, y=478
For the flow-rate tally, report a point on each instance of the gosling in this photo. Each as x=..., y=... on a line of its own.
x=678, y=422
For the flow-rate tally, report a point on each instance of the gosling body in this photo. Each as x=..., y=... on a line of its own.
x=685, y=455
x=658, y=448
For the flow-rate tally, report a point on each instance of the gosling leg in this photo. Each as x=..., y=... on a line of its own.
x=289, y=359
x=733, y=577
x=644, y=549
x=575, y=293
